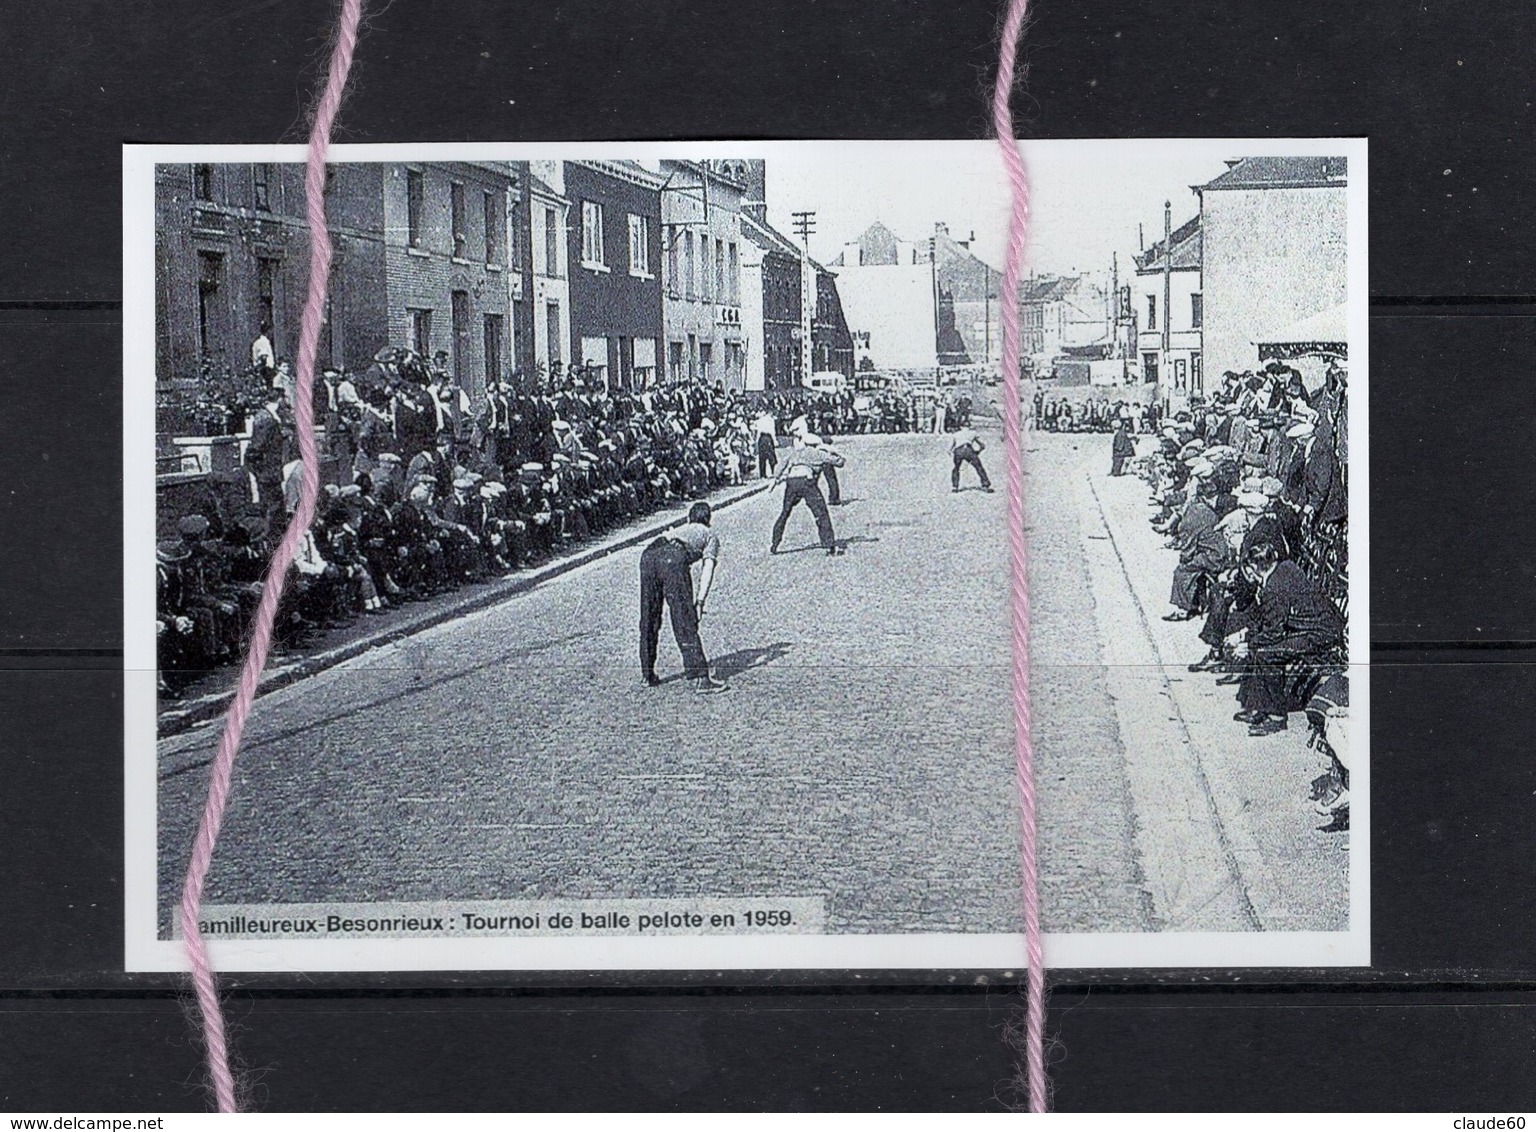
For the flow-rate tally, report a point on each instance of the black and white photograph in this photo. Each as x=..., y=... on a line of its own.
x=656, y=611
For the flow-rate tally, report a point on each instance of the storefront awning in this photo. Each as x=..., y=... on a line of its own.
x=1325, y=333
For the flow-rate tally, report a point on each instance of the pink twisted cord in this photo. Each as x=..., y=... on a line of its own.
x=1018, y=233
x=214, y=1039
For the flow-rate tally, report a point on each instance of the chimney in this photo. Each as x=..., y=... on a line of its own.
x=754, y=202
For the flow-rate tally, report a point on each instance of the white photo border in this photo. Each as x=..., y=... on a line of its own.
x=145, y=951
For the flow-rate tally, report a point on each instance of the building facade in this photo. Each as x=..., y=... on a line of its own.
x=701, y=258
x=614, y=255
x=1168, y=304
x=1058, y=311
x=831, y=340
x=549, y=212
x=446, y=265
x=232, y=245
x=771, y=288
x=520, y=272
x=1274, y=239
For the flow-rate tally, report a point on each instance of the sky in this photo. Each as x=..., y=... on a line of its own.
x=1088, y=196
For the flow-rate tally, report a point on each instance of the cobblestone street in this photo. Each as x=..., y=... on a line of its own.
x=862, y=754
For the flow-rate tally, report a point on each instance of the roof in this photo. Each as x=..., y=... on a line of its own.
x=1047, y=288
x=1280, y=173
x=1186, y=241
x=631, y=171
x=770, y=239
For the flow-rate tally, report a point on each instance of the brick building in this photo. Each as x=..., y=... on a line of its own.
x=422, y=254
x=446, y=259
x=520, y=262
x=771, y=312
x=614, y=254
x=232, y=252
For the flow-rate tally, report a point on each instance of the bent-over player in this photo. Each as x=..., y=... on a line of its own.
x=666, y=578
x=965, y=446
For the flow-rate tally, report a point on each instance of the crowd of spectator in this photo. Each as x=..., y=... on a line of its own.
x=1098, y=414
x=1250, y=488
x=425, y=491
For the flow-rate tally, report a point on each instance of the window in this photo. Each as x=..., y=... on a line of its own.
x=460, y=225
x=672, y=259
x=1151, y=312
x=675, y=361
x=551, y=243
x=492, y=227
x=266, y=294
x=202, y=182
x=415, y=201
x=421, y=331
x=1196, y=373
x=493, y=332
x=639, y=246
x=643, y=372
x=720, y=295
x=733, y=274
x=210, y=281
x=1196, y=310
x=705, y=278
x=1149, y=368
x=552, y=322
x=688, y=291
x=592, y=234
x=261, y=186
x=706, y=356
x=460, y=336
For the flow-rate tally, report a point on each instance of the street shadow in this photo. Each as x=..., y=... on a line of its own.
x=846, y=500
x=857, y=540
x=744, y=660
x=841, y=543
x=972, y=487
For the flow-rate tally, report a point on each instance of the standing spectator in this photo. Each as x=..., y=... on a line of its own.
x=1122, y=448
x=263, y=360
x=266, y=451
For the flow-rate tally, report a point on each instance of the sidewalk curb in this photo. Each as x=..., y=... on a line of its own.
x=187, y=715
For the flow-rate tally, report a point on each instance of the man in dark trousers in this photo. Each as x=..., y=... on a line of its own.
x=1122, y=448
x=266, y=452
x=798, y=474
x=666, y=578
x=965, y=447
x=1295, y=629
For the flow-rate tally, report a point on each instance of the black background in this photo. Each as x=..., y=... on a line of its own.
x=1445, y=1018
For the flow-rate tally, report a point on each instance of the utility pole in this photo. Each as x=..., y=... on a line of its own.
x=805, y=224
x=986, y=292
x=1167, y=288
x=1114, y=303
x=933, y=273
